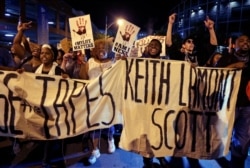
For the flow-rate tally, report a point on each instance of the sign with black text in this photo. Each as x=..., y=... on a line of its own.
x=81, y=32
x=125, y=38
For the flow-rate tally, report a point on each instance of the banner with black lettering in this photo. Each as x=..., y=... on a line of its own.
x=171, y=109
x=167, y=108
x=35, y=106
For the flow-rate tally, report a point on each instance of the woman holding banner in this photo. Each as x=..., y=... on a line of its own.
x=74, y=64
x=52, y=148
x=99, y=62
x=48, y=56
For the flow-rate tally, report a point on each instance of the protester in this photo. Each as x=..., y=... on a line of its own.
x=213, y=60
x=74, y=64
x=22, y=147
x=47, y=57
x=52, y=148
x=239, y=58
x=221, y=50
x=20, y=48
x=6, y=59
x=97, y=64
x=154, y=50
x=50, y=67
x=23, y=58
x=188, y=51
x=30, y=64
x=60, y=55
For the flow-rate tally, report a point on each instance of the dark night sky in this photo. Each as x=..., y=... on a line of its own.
x=138, y=12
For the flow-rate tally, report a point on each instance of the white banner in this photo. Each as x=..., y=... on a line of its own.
x=166, y=107
x=171, y=109
x=37, y=106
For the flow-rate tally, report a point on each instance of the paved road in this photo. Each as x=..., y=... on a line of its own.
x=77, y=154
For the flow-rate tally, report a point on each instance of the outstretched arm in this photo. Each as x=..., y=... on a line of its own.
x=18, y=39
x=171, y=21
x=210, y=26
x=26, y=44
x=238, y=65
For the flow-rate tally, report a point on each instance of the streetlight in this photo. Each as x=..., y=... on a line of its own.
x=118, y=21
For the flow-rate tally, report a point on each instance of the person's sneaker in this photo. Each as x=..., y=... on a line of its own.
x=95, y=154
x=111, y=146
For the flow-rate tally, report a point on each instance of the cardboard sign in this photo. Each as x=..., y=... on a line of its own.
x=81, y=32
x=125, y=37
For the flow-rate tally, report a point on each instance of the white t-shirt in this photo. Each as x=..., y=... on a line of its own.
x=96, y=68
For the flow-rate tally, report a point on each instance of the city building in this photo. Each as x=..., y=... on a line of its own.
x=230, y=16
x=50, y=20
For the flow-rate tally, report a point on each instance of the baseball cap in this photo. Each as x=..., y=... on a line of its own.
x=191, y=37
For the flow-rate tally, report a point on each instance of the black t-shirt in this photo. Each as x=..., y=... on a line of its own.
x=58, y=71
x=200, y=54
x=29, y=68
x=227, y=59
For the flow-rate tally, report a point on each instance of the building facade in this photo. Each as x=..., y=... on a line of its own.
x=231, y=17
x=50, y=20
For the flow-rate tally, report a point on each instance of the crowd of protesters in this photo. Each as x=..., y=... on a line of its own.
x=46, y=59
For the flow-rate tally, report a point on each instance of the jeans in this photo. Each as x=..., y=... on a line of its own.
x=241, y=132
x=106, y=131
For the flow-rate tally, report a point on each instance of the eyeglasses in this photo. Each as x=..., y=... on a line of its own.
x=190, y=41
